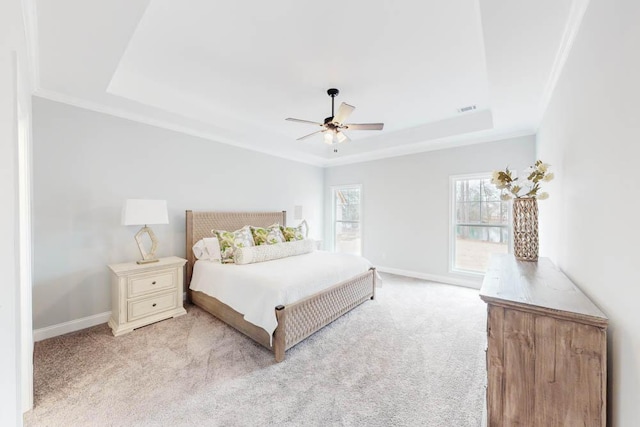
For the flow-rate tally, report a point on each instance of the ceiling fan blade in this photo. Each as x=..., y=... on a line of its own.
x=344, y=111
x=342, y=137
x=310, y=135
x=364, y=126
x=304, y=121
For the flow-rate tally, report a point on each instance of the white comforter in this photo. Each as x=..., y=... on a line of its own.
x=254, y=290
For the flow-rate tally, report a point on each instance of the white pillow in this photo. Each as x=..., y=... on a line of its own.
x=262, y=253
x=207, y=248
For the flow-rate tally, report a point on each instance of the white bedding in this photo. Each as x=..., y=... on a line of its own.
x=254, y=290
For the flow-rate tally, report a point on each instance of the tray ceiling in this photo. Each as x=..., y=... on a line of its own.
x=233, y=71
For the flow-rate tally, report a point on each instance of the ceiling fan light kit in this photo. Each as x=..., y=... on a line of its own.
x=334, y=137
x=333, y=126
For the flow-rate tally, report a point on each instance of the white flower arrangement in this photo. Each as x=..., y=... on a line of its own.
x=506, y=183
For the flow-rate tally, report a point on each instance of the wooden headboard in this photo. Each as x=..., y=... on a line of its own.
x=200, y=224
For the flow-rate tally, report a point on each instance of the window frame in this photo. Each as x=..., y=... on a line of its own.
x=453, y=223
x=333, y=214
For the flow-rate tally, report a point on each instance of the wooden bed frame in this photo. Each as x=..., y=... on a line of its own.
x=296, y=321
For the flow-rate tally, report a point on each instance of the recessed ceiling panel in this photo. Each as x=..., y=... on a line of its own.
x=402, y=63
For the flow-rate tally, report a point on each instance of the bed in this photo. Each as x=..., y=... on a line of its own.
x=295, y=321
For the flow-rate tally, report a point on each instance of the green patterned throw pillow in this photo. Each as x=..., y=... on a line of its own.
x=267, y=236
x=230, y=240
x=295, y=233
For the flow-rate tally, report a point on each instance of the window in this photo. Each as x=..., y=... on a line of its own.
x=347, y=230
x=480, y=223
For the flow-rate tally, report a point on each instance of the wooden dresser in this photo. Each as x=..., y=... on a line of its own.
x=546, y=350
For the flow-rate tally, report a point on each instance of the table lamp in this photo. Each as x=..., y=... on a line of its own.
x=144, y=212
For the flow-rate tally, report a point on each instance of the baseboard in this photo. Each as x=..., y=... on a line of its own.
x=467, y=283
x=75, y=325
x=70, y=326
x=96, y=319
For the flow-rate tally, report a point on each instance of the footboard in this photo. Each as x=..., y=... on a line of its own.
x=303, y=318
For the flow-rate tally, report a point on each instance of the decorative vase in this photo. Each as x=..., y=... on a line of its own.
x=525, y=229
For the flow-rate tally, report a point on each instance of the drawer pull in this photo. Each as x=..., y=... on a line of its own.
x=153, y=305
x=153, y=283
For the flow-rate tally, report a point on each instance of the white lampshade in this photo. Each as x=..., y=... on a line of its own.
x=144, y=212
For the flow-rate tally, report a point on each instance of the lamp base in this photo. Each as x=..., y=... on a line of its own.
x=147, y=257
x=147, y=261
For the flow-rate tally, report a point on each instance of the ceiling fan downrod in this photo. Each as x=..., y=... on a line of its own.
x=333, y=92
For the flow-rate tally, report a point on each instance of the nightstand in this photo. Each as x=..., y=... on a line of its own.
x=145, y=293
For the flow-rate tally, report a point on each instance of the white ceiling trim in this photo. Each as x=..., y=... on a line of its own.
x=578, y=9
x=483, y=48
x=100, y=108
x=433, y=145
x=30, y=16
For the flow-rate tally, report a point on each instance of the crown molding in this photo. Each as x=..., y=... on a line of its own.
x=431, y=145
x=401, y=150
x=576, y=13
x=30, y=18
x=141, y=118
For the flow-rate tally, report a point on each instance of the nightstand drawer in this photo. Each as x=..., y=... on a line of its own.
x=152, y=305
x=141, y=284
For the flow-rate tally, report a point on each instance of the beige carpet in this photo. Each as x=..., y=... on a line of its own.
x=412, y=357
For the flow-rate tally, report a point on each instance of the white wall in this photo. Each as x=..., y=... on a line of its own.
x=16, y=350
x=591, y=134
x=86, y=164
x=406, y=203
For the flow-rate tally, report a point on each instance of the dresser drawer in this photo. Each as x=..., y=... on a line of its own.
x=151, y=305
x=141, y=284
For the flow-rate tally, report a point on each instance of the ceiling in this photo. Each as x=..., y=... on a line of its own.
x=233, y=71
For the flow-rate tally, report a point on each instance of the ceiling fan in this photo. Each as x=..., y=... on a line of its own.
x=334, y=125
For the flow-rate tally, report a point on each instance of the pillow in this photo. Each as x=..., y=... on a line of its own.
x=262, y=253
x=208, y=249
x=267, y=236
x=231, y=240
x=295, y=233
